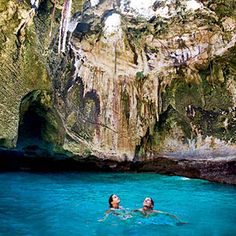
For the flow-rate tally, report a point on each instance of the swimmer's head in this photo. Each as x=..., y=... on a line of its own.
x=114, y=201
x=148, y=203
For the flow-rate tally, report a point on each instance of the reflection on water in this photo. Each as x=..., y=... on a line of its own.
x=72, y=204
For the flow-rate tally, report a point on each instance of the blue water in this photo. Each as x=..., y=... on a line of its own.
x=71, y=204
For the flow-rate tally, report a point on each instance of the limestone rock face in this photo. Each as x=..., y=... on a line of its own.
x=122, y=80
x=22, y=68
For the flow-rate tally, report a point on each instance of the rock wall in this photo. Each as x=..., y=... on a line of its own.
x=120, y=80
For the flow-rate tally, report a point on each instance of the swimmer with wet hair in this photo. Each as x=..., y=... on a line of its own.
x=148, y=210
x=114, y=202
x=148, y=204
x=114, y=208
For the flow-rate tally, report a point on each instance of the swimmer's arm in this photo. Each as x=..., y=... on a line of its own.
x=104, y=218
x=107, y=213
x=172, y=216
x=169, y=214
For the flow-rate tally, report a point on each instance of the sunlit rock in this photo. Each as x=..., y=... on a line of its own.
x=94, y=2
x=112, y=26
x=35, y=3
x=193, y=5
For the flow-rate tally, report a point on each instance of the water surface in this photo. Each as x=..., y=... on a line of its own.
x=72, y=203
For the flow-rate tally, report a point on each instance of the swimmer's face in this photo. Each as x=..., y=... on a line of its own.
x=147, y=202
x=115, y=199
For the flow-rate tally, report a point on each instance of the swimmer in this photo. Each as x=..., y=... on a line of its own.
x=114, y=203
x=114, y=208
x=148, y=205
x=147, y=210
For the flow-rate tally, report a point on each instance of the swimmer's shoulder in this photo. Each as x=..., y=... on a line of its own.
x=114, y=209
x=121, y=208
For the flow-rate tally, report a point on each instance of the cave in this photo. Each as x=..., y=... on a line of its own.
x=38, y=125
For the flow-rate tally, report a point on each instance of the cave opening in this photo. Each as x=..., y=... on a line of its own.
x=38, y=125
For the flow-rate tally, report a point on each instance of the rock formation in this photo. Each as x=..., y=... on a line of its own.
x=125, y=81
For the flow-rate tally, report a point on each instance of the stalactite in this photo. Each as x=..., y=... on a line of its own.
x=115, y=52
x=52, y=19
x=65, y=18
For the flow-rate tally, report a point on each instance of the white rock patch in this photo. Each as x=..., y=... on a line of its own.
x=113, y=25
x=136, y=8
x=163, y=12
x=94, y=3
x=143, y=7
x=34, y=3
x=193, y=5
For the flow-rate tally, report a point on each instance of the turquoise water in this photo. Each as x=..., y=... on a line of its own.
x=72, y=203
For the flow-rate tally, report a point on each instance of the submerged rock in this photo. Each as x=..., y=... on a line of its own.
x=122, y=81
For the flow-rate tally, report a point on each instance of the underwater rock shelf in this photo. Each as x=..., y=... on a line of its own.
x=217, y=170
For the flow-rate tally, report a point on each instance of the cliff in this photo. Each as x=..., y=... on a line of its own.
x=124, y=81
